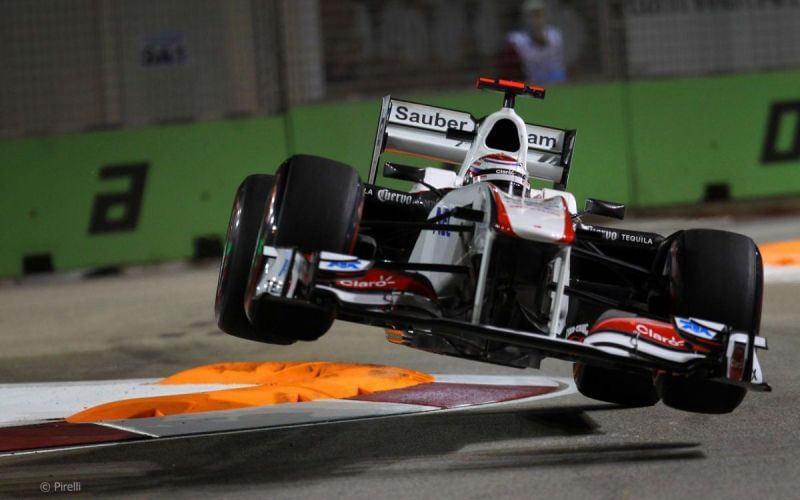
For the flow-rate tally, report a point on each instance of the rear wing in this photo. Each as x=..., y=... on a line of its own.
x=445, y=135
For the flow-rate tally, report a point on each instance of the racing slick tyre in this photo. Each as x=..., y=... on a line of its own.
x=615, y=386
x=717, y=276
x=240, y=245
x=315, y=206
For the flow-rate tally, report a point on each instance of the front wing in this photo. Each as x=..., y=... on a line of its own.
x=294, y=276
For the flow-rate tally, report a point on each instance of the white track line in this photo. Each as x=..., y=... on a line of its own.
x=261, y=417
x=331, y=410
x=30, y=403
x=782, y=274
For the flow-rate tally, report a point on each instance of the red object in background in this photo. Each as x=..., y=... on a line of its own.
x=512, y=86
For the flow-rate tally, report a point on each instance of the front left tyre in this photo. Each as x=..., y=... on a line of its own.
x=240, y=245
x=315, y=206
x=615, y=386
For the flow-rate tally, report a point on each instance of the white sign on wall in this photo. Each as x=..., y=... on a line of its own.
x=165, y=49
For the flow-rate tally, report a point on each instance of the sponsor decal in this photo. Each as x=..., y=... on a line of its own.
x=651, y=330
x=343, y=265
x=446, y=220
x=663, y=337
x=429, y=117
x=388, y=196
x=579, y=328
x=477, y=169
x=542, y=141
x=607, y=234
x=546, y=138
x=611, y=235
x=695, y=329
x=577, y=332
x=636, y=238
x=380, y=282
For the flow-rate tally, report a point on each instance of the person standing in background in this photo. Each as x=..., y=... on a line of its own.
x=535, y=54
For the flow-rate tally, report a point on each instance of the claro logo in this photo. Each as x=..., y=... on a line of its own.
x=648, y=332
x=382, y=281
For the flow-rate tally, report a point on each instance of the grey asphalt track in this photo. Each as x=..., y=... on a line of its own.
x=158, y=320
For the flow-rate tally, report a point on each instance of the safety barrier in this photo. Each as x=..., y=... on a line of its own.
x=700, y=139
x=130, y=196
x=162, y=193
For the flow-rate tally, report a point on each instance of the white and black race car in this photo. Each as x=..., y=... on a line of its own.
x=473, y=262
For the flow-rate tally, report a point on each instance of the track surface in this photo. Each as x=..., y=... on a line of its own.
x=159, y=321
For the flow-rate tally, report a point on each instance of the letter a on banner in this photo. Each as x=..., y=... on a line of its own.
x=779, y=114
x=130, y=202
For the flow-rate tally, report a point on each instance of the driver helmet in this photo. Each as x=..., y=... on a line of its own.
x=503, y=171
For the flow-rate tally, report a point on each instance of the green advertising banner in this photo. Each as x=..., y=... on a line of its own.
x=146, y=195
x=130, y=196
x=689, y=135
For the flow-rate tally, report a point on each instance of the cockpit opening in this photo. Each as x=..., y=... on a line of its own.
x=504, y=136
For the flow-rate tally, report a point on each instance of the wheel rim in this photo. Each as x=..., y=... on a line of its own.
x=224, y=269
x=266, y=236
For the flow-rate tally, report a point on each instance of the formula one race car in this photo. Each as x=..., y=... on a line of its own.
x=476, y=263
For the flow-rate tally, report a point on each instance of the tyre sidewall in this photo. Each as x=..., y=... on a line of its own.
x=240, y=245
x=315, y=205
x=717, y=276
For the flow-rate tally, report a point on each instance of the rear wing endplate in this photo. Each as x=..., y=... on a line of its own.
x=444, y=135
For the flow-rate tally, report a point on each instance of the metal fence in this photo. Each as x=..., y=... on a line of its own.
x=72, y=65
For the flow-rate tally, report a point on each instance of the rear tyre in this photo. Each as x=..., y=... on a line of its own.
x=717, y=276
x=240, y=244
x=316, y=206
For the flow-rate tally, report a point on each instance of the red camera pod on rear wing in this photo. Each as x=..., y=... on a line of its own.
x=510, y=88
